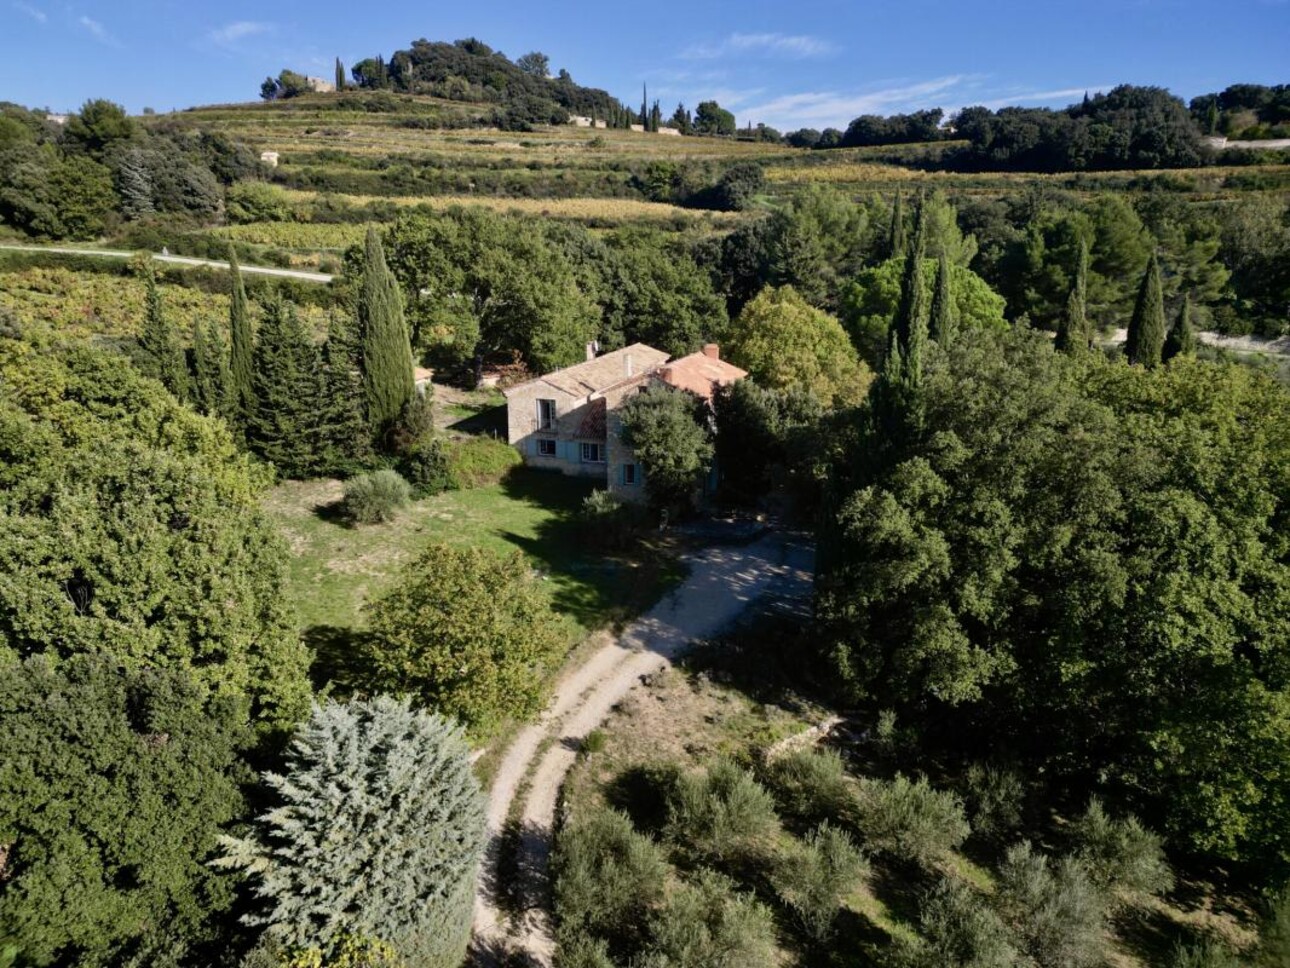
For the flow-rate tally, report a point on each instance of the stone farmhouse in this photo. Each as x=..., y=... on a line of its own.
x=568, y=420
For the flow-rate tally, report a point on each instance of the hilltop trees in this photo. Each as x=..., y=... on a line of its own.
x=377, y=831
x=711, y=118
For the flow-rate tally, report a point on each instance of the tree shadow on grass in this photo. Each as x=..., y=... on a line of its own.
x=641, y=792
x=341, y=658
x=485, y=421
x=333, y=513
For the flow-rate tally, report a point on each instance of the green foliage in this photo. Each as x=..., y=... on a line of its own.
x=1147, y=327
x=810, y=785
x=351, y=951
x=377, y=831
x=1209, y=954
x=784, y=343
x=117, y=783
x=722, y=814
x=814, y=879
x=209, y=384
x=375, y=497
x=386, y=354
x=468, y=632
x=45, y=193
x=710, y=923
x=427, y=468
x=1058, y=913
x=255, y=201
x=99, y=125
x=765, y=437
x=711, y=118
x=343, y=443
x=287, y=394
x=1274, y=936
x=959, y=929
x=957, y=571
x=481, y=461
x=241, y=379
x=130, y=526
x=1181, y=340
x=910, y=820
x=162, y=353
x=941, y=327
x=608, y=879
x=997, y=796
x=667, y=430
x=606, y=522
x=869, y=305
x=1121, y=856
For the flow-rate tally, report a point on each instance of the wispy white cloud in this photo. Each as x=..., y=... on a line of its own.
x=815, y=109
x=99, y=32
x=230, y=34
x=1044, y=98
x=794, y=46
x=35, y=13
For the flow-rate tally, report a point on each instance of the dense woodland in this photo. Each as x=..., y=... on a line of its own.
x=1053, y=584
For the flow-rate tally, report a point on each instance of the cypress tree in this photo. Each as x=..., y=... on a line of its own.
x=1182, y=336
x=340, y=75
x=1075, y=332
x=343, y=441
x=241, y=403
x=644, y=122
x=942, y=325
x=210, y=371
x=386, y=351
x=163, y=356
x=911, y=315
x=280, y=429
x=896, y=236
x=1147, y=327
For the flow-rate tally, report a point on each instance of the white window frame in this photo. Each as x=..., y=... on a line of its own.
x=599, y=452
x=545, y=422
x=543, y=443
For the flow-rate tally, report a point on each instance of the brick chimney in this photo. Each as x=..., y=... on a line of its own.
x=712, y=351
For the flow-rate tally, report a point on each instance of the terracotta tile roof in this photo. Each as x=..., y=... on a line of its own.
x=700, y=373
x=592, y=376
x=593, y=421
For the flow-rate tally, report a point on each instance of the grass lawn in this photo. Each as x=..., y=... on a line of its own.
x=336, y=568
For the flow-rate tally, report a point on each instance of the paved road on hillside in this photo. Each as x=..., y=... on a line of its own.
x=723, y=581
x=175, y=260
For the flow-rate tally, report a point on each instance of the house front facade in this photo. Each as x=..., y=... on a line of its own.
x=568, y=420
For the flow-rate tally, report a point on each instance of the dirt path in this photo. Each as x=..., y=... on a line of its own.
x=722, y=582
x=181, y=260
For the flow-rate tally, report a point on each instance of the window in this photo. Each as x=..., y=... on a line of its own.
x=546, y=414
x=546, y=447
x=593, y=453
x=629, y=474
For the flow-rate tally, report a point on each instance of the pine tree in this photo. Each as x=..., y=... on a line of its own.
x=241, y=403
x=911, y=316
x=162, y=354
x=896, y=236
x=286, y=384
x=386, y=352
x=343, y=440
x=379, y=835
x=1182, y=336
x=1147, y=327
x=942, y=325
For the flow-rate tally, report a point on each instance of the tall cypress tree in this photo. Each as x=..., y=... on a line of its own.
x=162, y=354
x=241, y=348
x=1075, y=332
x=340, y=75
x=343, y=440
x=1182, y=335
x=386, y=350
x=896, y=234
x=280, y=429
x=942, y=325
x=911, y=315
x=644, y=121
x=1147, y=327
x=210, y=381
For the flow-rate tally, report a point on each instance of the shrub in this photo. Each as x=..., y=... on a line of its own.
x=1274, y=939
x=377, y=833
x=1207, y=954
x=724, y=814
x=583, y=952
x=1121, y=856
x=427, y=468
x=469, y=632
x=713, y=925
x=812, y=880
x=810, y=785
x=959, y=929
x=996, y=795
x=910, y=820
x=606, y=522
x=608, y=878
x=258, y=202
x=373, y=498
x=1057, y=910
x=481, y=461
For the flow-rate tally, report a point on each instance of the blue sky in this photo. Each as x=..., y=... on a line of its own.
x=791, y=63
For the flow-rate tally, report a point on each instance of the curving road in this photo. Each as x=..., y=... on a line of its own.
x=723, y=581
x=182, y=260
